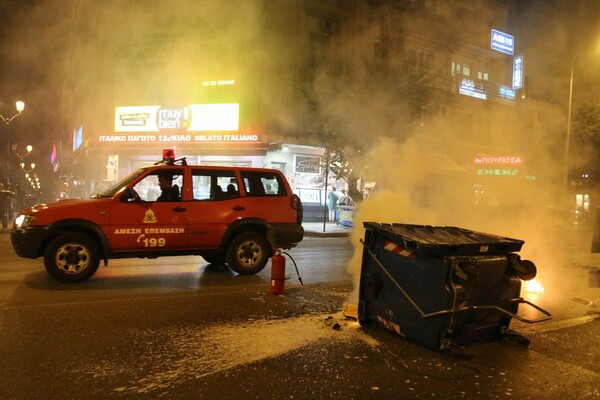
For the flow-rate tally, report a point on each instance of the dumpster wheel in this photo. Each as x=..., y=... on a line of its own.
x=509, y=334
x=455, y=350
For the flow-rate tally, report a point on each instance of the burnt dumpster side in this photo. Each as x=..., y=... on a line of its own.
x=440, y=286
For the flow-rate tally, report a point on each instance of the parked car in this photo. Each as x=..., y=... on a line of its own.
x=224, y=214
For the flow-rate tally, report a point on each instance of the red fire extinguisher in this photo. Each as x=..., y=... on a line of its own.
x=277, y=273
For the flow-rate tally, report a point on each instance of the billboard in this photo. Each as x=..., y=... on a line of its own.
x=189, y=118
x=517, y=76
x=503, y=42
x=472, y=88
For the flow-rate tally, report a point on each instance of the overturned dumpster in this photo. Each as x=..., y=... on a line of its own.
x=442, y=287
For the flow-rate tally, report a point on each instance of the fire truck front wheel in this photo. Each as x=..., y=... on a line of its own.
x=72, y=257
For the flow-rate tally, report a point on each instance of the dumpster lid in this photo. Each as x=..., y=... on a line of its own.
x=444, y=240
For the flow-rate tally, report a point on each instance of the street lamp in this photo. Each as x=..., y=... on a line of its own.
x=27, y=171
x=7, y=121
x=29, y=149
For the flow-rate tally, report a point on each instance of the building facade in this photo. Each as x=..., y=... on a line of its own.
x=241, y=83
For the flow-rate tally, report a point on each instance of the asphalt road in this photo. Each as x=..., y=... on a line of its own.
x=177, y=328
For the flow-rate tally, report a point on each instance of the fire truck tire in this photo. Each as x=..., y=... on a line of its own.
x=248, y=253
x=71, y=257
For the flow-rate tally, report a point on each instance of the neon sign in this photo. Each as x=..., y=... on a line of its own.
x=497, y=171
x=498, y=160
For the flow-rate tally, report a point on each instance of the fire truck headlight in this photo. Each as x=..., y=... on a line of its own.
x=23, y=221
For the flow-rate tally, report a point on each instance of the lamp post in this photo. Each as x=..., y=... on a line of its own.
x=565, y=182
x=7, y=121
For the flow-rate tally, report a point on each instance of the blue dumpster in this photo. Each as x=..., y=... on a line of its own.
x=442, y=287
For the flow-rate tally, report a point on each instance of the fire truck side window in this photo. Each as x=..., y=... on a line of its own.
x=263, y=184
x=148, y=188
x=214, y=184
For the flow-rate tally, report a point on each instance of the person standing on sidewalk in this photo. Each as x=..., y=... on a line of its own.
x=332, y=200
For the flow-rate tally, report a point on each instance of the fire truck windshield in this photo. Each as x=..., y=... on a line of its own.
x=110, y=192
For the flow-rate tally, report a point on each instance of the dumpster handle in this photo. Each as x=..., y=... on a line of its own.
x=519, y=300
x=546, y=316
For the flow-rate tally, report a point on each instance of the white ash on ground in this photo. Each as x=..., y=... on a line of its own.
x=197, y=353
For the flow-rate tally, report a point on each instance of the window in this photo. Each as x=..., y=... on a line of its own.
x=420, y=58
x=263, y=184
x=484, y=76
x=456, y=68
x=214, y=185
x=318, y=48
x=148, y=188
x=278, y=165
x=466, y=70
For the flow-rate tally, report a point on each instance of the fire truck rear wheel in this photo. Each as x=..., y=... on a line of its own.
x=72, y=257
x=248, y=253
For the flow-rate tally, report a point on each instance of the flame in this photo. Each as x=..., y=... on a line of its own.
x=533, y=286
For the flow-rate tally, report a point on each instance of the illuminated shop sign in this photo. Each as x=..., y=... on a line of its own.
x=77, y=138
x=225, y=82
x=190, y=118
x=498, y=160
x=506, y=165
x=307, y=164
x=497, y=171
x=517, y=76
x=470, y=87
x=503, y=42
x=506, y=93
x=181, y=138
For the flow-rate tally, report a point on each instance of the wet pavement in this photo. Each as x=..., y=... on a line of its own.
x=175, y=328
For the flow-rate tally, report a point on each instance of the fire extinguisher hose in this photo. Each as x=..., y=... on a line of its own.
x=295, y=266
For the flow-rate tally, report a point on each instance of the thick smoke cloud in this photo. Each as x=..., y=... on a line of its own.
x=160, y=51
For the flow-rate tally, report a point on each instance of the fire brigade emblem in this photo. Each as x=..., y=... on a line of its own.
x=149, y=217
